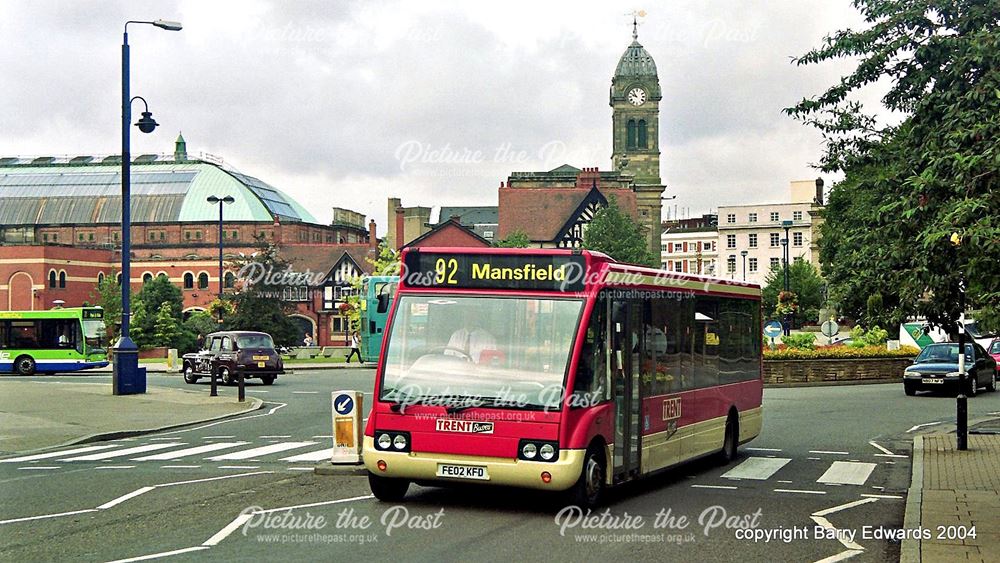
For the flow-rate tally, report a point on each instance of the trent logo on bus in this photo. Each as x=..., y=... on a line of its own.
x=466, y=426
x=671, y=409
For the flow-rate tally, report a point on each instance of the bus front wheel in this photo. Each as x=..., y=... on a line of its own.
x=589, y=488
x=25, y=365
x=731, y=440
x=387, y=489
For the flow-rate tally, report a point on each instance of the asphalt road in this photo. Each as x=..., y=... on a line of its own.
x=190, y=505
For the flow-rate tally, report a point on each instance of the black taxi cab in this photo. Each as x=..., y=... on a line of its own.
x=233, y=353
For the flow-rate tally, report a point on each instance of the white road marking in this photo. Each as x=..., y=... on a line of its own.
x=300, y=468
x=115, y=467
x=55, y=454
x=845, y=506
x=124, y=498
x=239, y=467
x=167, y=456
x=263, y=450
x=828, y=452
x=125, y=452
x=841, y=556
x=230, y=528
x=304, y=392
x=282, y=436
x=762, y=449
x=161, y=439
x=921, y=426
x=885, y=451
x=800, y=491
x=44, y=516
x=159, y=555
x=757, y=468
x=268, y=413
x=727, y=487
x=217, y=437
x=882, y=496
x=318, y=455
x=814, y=458
x=849, y=544
x=179, y=466
x=786, y=482
x=39, y=467
x=213, y=479
x=891, y=455
x=847, y=473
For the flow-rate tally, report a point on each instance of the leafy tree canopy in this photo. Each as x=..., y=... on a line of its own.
x=909, y=185
x=515, y=239
x=258, y=303
x=107, y=294
x=804, y=281
x=616, y=234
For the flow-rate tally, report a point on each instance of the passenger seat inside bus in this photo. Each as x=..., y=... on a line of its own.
x=478, y=344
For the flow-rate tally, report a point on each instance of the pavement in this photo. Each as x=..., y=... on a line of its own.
x=161, y=367
x=36, y=415
x=951, y=492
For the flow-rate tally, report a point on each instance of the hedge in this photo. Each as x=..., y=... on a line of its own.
x=839, y=352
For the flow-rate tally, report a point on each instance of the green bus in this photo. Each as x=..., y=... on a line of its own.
x=57, y=340
x=376, y=301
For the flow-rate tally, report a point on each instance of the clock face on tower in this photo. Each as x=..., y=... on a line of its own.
x=637, y=96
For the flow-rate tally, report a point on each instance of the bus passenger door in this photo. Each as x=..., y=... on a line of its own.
x=626, y=322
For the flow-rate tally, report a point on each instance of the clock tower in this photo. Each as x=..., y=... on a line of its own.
x=635, y=102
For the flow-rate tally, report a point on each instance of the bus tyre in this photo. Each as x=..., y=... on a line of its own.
x=226, y=376
x=589, y=488
x=267, y=379
x=189, y=376
x=731, y=440
x=387, y=489
x=25, y=365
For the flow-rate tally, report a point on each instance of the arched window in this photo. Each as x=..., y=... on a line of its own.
x=52, y=279
x=642, y=134
x=118, y=278
x=188, y=280
x=630, y=134
x=229, y=280
x=100, y=278
x=147, y=277
x=62, y=279
x=162, y=275
x=203, y=280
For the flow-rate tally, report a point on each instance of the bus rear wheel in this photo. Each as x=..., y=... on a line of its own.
x=589, y=488
x=387, y=489
x=25, y=365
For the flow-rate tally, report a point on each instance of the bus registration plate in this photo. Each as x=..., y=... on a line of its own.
x=463, y=471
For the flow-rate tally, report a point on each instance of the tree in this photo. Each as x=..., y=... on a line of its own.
x=514, y=239
x=154, y=294
x=616, y=234
x=258, y=302
x=908, y=186
x=107, y=295
x=804, y=282
x=166, y=329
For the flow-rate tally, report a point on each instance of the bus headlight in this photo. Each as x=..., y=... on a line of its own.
x=384, y=441
x=547, y=452
x=399, y=442
x=529, y=450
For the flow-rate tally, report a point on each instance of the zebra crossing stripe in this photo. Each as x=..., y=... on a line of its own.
x=757, y=468
x=166, y=456
x=125, y=452
x=319, y=455
x=55, y=454
x=261, y=451
x=847, y=473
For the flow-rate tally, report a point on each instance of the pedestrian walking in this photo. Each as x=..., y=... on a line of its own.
x=308, y=340
x=355, y=347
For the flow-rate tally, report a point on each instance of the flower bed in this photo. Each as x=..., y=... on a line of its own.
x=836, y=364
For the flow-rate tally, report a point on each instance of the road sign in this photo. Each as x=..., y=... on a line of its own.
x=830, y=329
x=343, y=404
x=773, y=329
x=346, y=426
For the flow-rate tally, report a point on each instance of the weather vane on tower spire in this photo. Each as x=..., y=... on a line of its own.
x=636, y=14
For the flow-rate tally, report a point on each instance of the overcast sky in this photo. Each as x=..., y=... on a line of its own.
x=346, y=104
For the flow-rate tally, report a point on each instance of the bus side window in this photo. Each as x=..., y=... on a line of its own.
x=589, y=385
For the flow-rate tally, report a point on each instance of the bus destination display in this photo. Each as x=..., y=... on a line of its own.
x=495, y=271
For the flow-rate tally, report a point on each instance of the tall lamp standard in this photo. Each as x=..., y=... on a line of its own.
x=787, y=254
x=784, y=262
x=744, y=253
x=126, y=377
x=220, y=200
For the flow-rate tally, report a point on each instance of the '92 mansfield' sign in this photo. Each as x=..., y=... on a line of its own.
x=494, y=271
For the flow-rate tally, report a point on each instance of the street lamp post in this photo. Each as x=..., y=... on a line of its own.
x=126, y=377
x=744, y=253
x=220, y=200
x=786, y=251
x=962, y=405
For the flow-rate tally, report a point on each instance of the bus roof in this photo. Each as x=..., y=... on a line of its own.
x=60, y=313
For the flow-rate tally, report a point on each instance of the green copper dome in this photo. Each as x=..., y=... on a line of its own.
x=636, y=61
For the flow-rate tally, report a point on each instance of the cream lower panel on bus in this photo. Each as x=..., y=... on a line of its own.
x=498, y=471
x=664, y=449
